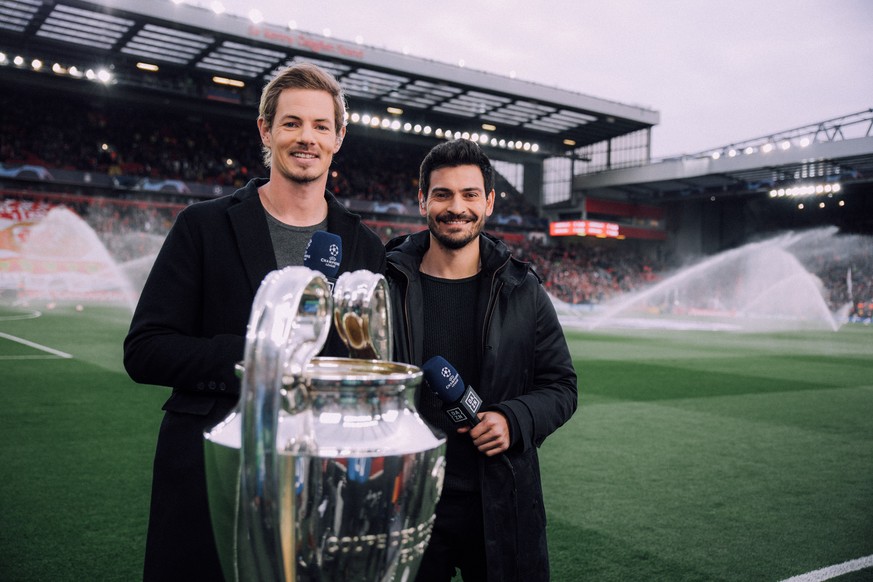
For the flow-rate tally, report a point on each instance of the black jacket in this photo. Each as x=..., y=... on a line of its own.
x=188, y=332
x=527, y=374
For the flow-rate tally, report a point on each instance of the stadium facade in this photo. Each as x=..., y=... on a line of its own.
x=583, y=162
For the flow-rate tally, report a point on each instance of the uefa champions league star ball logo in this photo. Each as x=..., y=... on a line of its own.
x=446, y=372
x=331, y=261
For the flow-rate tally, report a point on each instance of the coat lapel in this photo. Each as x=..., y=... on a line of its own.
x=252, y=237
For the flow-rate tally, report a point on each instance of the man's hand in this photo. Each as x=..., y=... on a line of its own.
x=491, y=435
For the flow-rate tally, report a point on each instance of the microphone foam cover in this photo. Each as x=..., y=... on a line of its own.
x=324, y=253
x=443, y=379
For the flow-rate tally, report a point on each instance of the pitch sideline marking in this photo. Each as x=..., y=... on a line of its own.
x=833, y=571
x=37, y=346
x=32, y=315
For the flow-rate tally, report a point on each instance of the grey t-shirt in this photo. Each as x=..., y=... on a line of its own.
x=289, y=242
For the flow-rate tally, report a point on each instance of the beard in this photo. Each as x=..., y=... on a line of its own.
x=456, y=241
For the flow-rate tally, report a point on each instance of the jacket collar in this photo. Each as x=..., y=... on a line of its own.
x=249, y=223
x=406, y=253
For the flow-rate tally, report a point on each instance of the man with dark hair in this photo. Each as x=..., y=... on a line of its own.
x=188, y=330
x=458, y=293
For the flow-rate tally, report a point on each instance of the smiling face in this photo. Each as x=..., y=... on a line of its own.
x=456, y=205
x=303, y=136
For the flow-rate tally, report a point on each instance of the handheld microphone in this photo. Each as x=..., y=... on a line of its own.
x=324, y=253
x=460, y=403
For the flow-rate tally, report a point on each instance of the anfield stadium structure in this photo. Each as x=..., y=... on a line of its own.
x=569, y=164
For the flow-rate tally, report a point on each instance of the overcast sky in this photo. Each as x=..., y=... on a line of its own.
x=716, y=71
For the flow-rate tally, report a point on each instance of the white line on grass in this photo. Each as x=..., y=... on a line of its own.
x=31, y=315
x=833, y=571
x=31, y=344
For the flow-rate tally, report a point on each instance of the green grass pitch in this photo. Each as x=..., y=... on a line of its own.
x=693, y=455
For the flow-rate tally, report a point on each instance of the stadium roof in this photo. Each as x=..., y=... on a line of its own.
x=120, y=33
x=835, y=151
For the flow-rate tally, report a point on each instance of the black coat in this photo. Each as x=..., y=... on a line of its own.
x=526, y=373
x=188, y=332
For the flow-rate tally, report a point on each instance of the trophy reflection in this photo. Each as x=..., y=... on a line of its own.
x=325, y=471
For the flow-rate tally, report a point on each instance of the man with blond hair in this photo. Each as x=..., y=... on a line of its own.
x=188, y=330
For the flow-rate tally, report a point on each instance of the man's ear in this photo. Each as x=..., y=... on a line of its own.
x=264, y=130
x=422, y=204
x=339, y=139
x=489, y=207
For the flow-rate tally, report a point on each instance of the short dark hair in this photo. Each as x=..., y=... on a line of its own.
x=301, y=75
x=457, y=152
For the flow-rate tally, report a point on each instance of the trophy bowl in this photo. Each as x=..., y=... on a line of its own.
x=325, y=471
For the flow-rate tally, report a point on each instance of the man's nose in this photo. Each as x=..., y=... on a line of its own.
x=456, y=205
x=307, y=133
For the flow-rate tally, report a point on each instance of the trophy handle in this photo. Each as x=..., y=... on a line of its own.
x=288, y=325
x=362, y=315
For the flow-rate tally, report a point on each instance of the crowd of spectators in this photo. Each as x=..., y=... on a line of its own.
x=209, y=147
x=592, y=273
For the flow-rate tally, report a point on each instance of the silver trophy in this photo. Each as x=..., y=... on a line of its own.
x=324, y=471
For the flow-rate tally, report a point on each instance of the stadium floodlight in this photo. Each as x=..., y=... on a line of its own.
x=785, y=145
x=732, y=152
x=150, y=67
x=326, y=33
x=489, y=127
x=749, y=150
x=394, y=111
x=36, y=64
x=18, y=60
x=716, y=155
x=426, y=130
x=104, y=76
x=804, y=142
x=292, y=25
x=58, y=69
x=767, y=148
x=3, y=58
x=75, y=72
x=229, y=82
